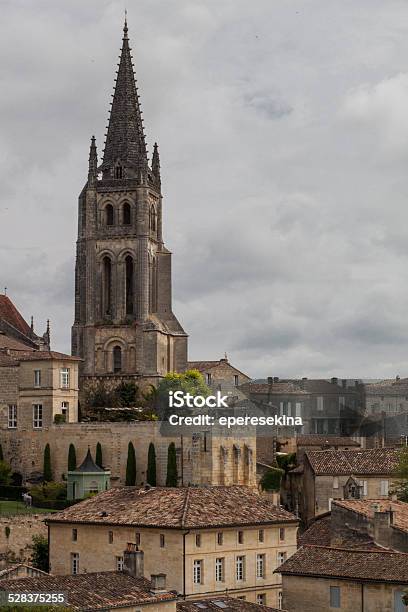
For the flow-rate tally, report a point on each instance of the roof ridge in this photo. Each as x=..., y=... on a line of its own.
x=353, y=550
x=185, y=507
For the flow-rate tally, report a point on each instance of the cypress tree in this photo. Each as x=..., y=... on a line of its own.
x=171, y=480
x=151, y=465
x=47, y=474
x=131, y=466
x=98, y=455
x=72, y=462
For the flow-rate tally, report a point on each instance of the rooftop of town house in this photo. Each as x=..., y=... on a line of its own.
x=368, y=507
x=222, y=604
x=93, y=591
x=375, y=461
x=362, y=565
x=176, y=508
x=327, y=440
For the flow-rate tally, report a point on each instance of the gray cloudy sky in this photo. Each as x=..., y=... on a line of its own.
x=283, y=132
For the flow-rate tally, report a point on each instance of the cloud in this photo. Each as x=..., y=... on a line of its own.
x=283, y=135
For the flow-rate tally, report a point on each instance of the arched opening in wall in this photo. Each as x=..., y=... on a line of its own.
x=109, y=214
x=153, y=285
x=129, y=298
x=117, y=359
x=152, y=219
x=126, y=214
x=118, y=172
x=107, y=286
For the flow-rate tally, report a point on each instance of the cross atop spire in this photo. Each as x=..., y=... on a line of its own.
x=125, y=151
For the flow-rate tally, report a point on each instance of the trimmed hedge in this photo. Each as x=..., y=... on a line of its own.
x=12, y=492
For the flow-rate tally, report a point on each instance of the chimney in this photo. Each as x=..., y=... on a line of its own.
x=133, y=561
x=270, y=380
x=304, y=378
x=344, y=383
x=397, y=378
x=334, y=380
x=276, y=379
x=158, y=583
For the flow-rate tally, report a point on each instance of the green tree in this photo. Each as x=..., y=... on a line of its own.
x=98, y=455
x=72, y=462
x=39, y=557
x=151, y=465
x=191, y=382
x=5, y=473
x=127, y=393
x=171, y=479
x=131, y=466
x=47, y=472
x=401, y=474
x=271, y=480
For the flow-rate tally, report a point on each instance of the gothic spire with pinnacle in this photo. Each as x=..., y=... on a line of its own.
x=125, y=144
x=93, y=163
x=156, y=162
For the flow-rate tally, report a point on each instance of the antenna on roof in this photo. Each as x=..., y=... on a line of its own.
x=5, y=290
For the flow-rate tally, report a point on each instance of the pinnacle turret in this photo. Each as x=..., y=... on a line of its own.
x=156, y=162
x=93, y=163
x=125, y=151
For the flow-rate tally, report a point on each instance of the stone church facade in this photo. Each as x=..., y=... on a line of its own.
x=124, y=325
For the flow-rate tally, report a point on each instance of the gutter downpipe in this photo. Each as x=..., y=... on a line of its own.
x=184, y=562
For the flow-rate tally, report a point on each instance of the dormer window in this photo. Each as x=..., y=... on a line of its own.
x=118, y=172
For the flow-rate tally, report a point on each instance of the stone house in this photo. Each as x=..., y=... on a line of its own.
x=387, y=396
x=319, y=578
x=208, y=540
x=340, y=474
x=124, y=590
x=35, y=387
x=221, y=375
x=327, y=407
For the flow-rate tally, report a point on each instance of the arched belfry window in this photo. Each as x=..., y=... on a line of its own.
x=117, y=359
x=129, y=297
x=118, y=172
x=107, y=286
x=109, y=214
x=126, y=214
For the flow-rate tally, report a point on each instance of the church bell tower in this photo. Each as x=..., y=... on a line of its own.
x=124, y=324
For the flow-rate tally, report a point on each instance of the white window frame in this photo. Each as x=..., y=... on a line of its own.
x=74, y=563
x=37, y=416
x=281, y=556
x=289, y=413
x=280, y=600
x=320, y=403
x=198, y=571
x=119, y=563
x=240, y=568
x=37, y=378
x=65, y=408
x=65, y=378
x=219, y=569
x=363, y=483
x=335, y=482
x=298, y=409
x=261, y=599
x=260, y=565
x=12, y=416
x=334, y=589
x=384, y=487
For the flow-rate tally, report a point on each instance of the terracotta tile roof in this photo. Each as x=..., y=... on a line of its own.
x=16, y=566
x=221, y=604
x=93, y=591
x=388, y=387
x=325, y=562
x=7, y=360
x=10, y=314
x=177, y=508
x=368, y=507
x=382, y=461
x=12, y=343
x=302, y=387
x=320, y=534
x=46, y=355
x=317, y=440
x=202, y=366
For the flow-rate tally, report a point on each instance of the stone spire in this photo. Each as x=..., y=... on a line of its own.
x=93, y=163
x=156, y=163
x=125, y=145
